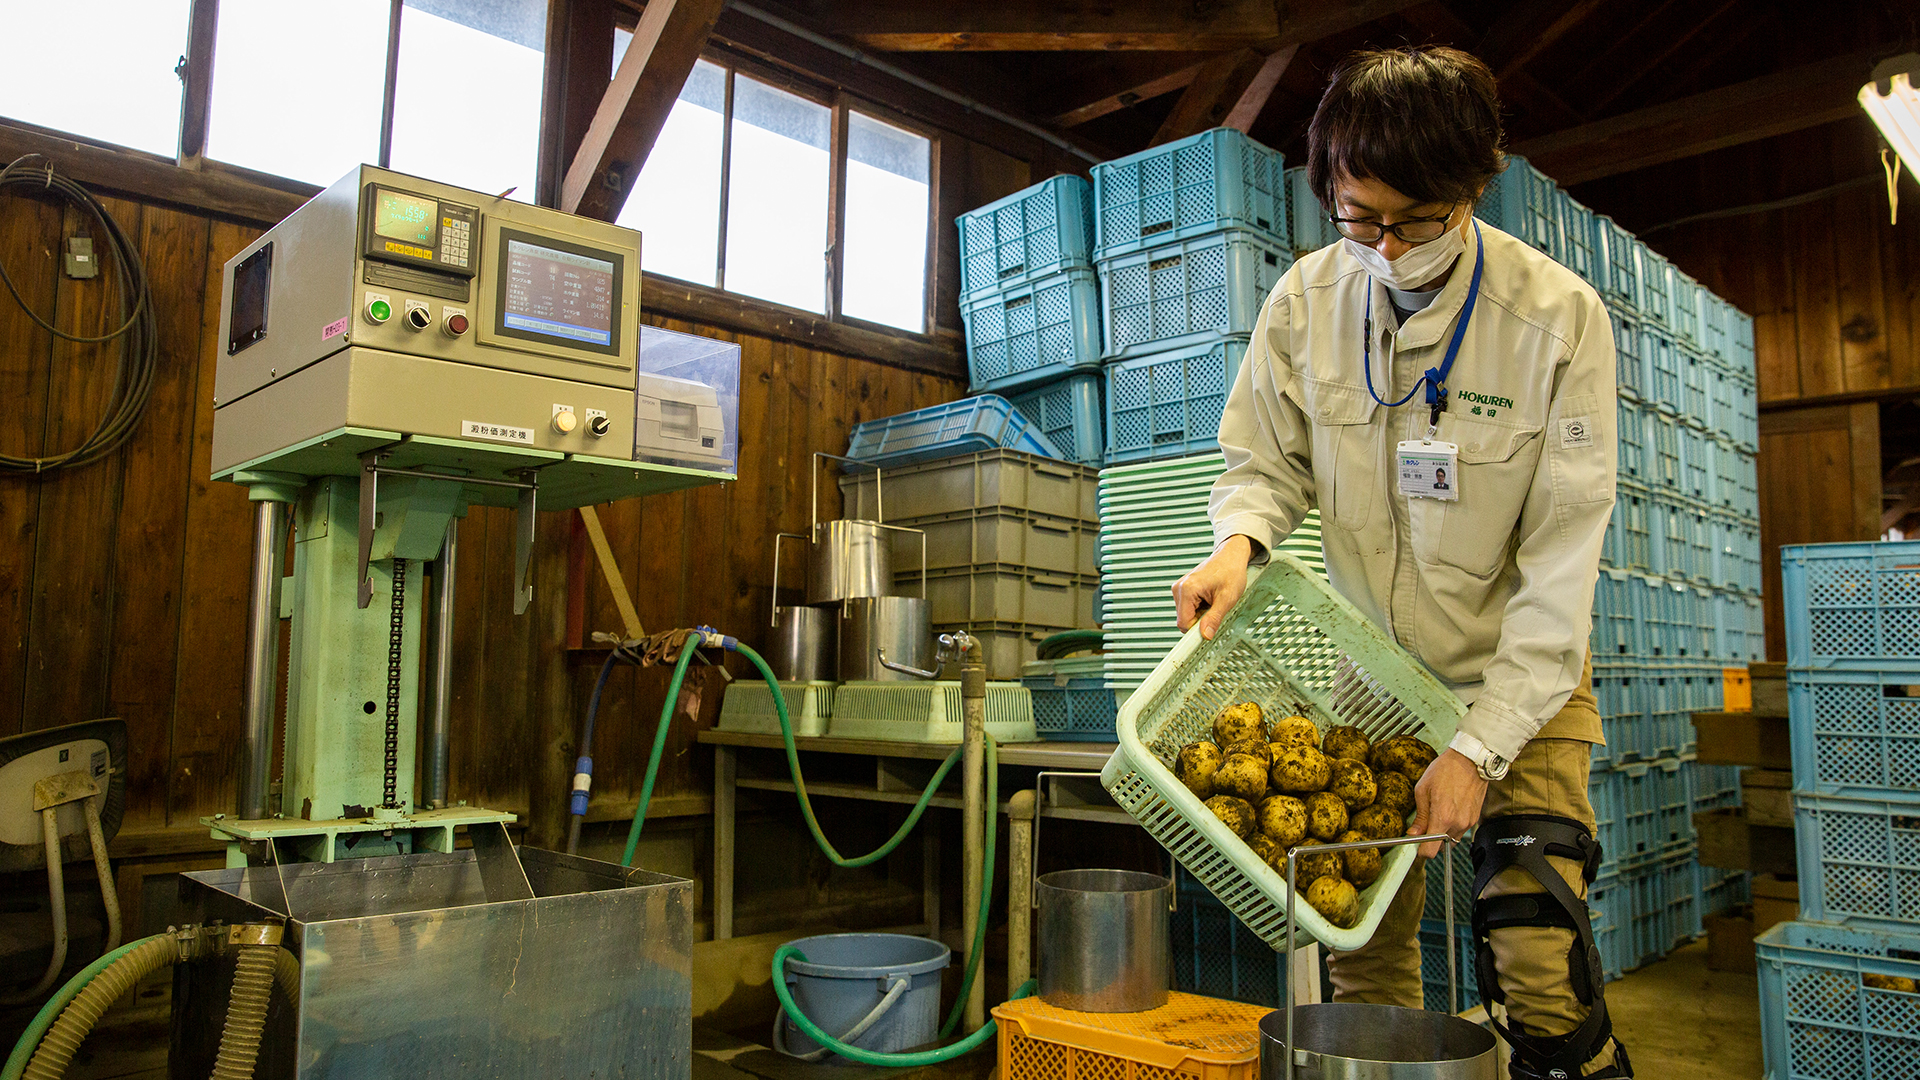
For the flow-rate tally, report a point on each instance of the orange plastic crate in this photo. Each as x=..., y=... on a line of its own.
x=1188, y=1037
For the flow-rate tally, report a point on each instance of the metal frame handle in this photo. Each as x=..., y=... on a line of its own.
x=773, y=615
x=1040, y=811
x=879, y=495
x=1453, y=979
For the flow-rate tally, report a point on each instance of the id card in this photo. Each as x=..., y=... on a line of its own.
x=1429, y=470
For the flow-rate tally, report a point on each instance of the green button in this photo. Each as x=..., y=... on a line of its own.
x=379, y=311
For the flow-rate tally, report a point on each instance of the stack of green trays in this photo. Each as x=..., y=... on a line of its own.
x=1153, y=529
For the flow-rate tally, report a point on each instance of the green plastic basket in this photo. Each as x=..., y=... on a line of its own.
x=1293, y=646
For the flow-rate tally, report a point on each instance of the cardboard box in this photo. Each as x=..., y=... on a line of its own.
x=1730, y=937
x=1769, y=689
x=1767, y=796
x=1776, y=899
x=1729, y=841
x=1741, y=738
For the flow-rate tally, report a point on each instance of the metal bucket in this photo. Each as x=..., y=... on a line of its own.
x=805, y=641
x=1103, y=940
x=1375, y=1042
x=848, y=559
x=895, y=628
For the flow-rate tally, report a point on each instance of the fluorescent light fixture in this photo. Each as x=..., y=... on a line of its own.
x=1894, y=103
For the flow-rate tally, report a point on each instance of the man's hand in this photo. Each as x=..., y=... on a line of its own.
x=1448, y=799
x=1211, y=589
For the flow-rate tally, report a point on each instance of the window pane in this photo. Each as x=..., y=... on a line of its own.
x=676, y=203
x=888, y=200
x=98, y=68
x=777, y=196
x=478, y=58
x=297, y=92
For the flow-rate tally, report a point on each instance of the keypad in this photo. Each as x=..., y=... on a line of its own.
x=456, y=239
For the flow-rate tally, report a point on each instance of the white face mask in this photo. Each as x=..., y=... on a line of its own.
x=1417, y=265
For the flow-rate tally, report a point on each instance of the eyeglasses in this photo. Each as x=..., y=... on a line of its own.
x=1410, y=231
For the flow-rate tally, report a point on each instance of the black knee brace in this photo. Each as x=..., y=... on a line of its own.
x=1525, y=841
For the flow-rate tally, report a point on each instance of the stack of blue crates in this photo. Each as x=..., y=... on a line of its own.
x=1829, y=1002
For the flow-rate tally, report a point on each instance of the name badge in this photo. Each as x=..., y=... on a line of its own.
x=1429, y=470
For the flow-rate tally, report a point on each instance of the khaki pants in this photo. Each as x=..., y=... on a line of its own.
x=1549, y=777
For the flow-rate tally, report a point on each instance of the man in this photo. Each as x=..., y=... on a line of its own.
x=1445, y=395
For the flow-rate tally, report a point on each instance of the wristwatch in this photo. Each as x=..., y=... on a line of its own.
x=1491, y=765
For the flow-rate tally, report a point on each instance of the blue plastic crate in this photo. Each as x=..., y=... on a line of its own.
x=1309, y=227
x=1635, y=459
x=1667, y=617
x=1856, y=733
x=1069, y=412
x=1630, y=375
x=1073, y=709
x=1674, y=694
x=1523, y=202
x=1029, y=234
x=1711, y=787
x=1681, y=538
x=1740, y=634
x=1218, y=179
x=970, y=425
x=1683, y=300
x=1618, y=255
x=1214, y=953
x=1641, y=808
x=1663, y=445
x=1619, y=628
x=1736, y=553
x=1739, y=421
x=1740, y=333
x=1697, y=374
x=1653, y=287
x=1696, y=464
x=1628, y=541
x=1622, y=693
x=1851, y=605
x=1610, y=911
x=1576, y=251
x=1718, y=891
x=1188, y=292
x=1433, y=965
x=1716, y=325
x=1033, y=332
x=1168, y=404
x=1819, y=1020
x=1460, y=890
x=1681, y=885
x=1859, y=861
x=1661, y=358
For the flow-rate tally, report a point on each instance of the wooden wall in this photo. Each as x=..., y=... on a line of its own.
x=124, y=583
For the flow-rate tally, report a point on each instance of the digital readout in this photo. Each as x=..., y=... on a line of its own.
x=408, y=218
x=558, y=294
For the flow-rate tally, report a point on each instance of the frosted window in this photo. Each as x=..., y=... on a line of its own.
x=297, y=91
x=676, y=203
x=885, y=276
x=466, y=106
x=102, y=69
x=777, y=197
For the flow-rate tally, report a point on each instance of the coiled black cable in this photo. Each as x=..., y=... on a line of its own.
x=138, y=335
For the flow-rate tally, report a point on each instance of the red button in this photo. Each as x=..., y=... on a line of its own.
x=456, y=324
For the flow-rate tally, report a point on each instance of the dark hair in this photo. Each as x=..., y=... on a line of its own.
x=1424, y=121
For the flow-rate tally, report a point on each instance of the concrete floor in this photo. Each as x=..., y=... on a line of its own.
x=1680, y=1020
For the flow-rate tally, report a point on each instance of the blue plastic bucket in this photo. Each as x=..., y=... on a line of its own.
x=846, y=976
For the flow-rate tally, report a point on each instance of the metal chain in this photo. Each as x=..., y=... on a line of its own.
x=396, y=626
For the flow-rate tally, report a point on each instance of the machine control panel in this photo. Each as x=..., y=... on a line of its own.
x=412, y=229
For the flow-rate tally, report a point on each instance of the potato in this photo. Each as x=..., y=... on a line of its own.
x=1336, y=899
x=1377, y=822
x=1362, y=864
x=1326, y=815
x=1315, y=865
x=1237, y=722
x=1346, y=742
x=1395, y=792
x=1889, y=982
x=1300, y=769
x=1259, y=748
x=1282, y=818
x=1242, y=776
x=1403, y=754
x=1236, y=813
x=1296, y=731
x=1196, y=766
x=1353, y=782
x=1263, y=846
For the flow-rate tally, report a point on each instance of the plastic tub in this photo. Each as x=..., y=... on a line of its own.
x=986, y=422
x=846, y=976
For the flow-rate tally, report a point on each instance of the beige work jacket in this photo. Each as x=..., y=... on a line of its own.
x=1493, y=592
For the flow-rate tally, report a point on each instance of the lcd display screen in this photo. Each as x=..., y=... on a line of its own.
x=559, y=295
x=403, y=217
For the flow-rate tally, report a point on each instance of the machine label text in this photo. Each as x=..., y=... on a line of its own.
x=501, y=432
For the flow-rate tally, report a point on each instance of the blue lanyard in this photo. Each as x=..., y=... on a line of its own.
x=1435, y=379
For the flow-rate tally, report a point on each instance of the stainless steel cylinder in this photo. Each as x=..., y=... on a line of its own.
x=263, y=654
x=1375, y=1042
x=899, y=626
x=848, y=559
x=1103, y=940
x=805, y=644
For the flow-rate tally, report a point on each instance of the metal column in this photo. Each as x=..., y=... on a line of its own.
x=263, y=655
x=440, y=672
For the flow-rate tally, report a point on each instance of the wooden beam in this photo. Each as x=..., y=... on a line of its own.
x=1132, y=95
x=579, y=65
x=196, y=80
x=1058, y=25
x=1536, y=41
x=214, y=189
x=1254, y=98
x=1441, y=25
x=1210, y=96
x=1651, y=60
x=666, y=42
x=1791, y=100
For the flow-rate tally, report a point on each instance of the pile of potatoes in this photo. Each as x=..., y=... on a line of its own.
x=1889, y=982
x=1279, y=787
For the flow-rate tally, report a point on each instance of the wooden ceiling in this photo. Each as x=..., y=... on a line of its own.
x=1592, y=88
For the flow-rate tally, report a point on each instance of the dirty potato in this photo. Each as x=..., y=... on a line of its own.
x=1196, y=766
x=1326, y=815
x=1237, y=814
x=1264, y=847
x=1315, y=865
x=1283, y=819
x=1242, y=776
x=1403, y=754
x=1336, y=899
x=1377, y=822
x=1237, y=722
x=1259, y=748
x=1346, y=742
x=1353, y=782
x=1889, y=982
x=1300, y=769
x=1296, y=731
x=1393, y=791
x=1362, y=864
